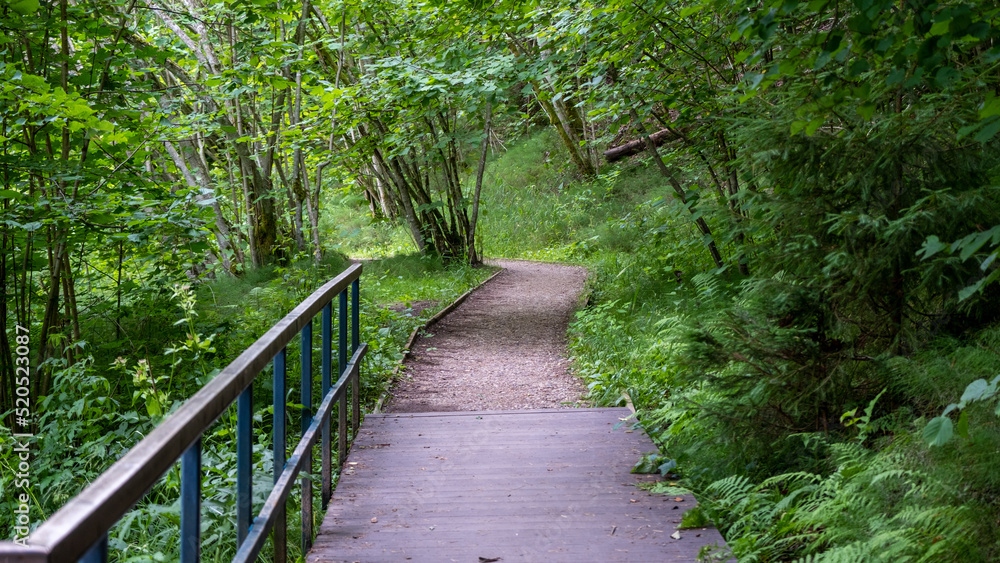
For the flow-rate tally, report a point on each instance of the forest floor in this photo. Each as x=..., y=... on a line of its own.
x=504, y=348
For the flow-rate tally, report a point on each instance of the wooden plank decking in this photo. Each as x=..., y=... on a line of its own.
x=545, y=485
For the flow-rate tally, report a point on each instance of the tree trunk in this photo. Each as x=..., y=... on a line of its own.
x=223, y=233
x=312, y=209
x=630, y=148
x=474, y=258
x=676, y=185
x=582, y=164
x=50, y=318
x=733, y=187
x=260, y=210
x=562, y=127
x=69, y=291
x=408, y=212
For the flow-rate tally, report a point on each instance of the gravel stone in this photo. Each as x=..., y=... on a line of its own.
x=504, y=348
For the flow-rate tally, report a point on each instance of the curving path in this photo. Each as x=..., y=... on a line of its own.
x=504, y=348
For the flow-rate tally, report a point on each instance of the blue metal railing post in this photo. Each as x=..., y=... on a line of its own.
x=279, y=448
x=306, y=373
x=356, y=315
x=342, y=333
x=244, y=463
x=191, y=504
x=326, y=453
x=307, y=495
x=327, y=352
x=355, y=342
x=98, y=553
x=279, y=413
x=341, y=366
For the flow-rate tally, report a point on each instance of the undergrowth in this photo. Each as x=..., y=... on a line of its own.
x=802, y=441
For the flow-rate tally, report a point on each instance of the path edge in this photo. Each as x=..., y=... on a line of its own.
x=427, y=324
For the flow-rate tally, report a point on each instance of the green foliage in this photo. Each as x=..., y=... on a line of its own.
x=94, y=415
x=763, y=380
x=653, y=463
x=695, y=518
x=81, y=426
x=863, y=422
x=359, y=235
x=966, y=247
x=843, y=157
x=939, y=430
x=871, y=508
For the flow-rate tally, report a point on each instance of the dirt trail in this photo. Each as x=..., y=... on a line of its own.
x=504, y=348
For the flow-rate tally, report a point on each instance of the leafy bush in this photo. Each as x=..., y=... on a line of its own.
x=872, y=507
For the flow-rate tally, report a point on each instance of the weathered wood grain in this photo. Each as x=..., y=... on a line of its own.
x=545, y=485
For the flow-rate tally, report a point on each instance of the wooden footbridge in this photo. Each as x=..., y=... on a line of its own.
x=545, y=485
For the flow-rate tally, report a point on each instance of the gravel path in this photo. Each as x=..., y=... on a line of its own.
x=504, y=348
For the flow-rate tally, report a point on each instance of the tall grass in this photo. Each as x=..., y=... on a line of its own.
x=535, y=206
x=351, y=230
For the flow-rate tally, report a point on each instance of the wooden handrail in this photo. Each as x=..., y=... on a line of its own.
x=83, y=522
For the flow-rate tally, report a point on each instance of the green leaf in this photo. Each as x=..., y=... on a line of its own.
x=754, y=79
x=859, y=66
x=895, y=77
x=990, y=107
x=947, y=77
x=649, y=463
x=821, y=60
x=971, y=244
x=932, y=246
x=849, y=415
x=969, y=291
x=938, y=431
x=694, y=518
x=975, y=391
x=34, y=83
x=667, y=466
x=964, y=131
x=24, y=7
x=814, y=125
x=989, y=130
x=962, y=429
x=690, y=10
x=940, y=28
x=989, y=260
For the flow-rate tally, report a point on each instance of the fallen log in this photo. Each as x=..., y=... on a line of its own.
x=637, y=146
